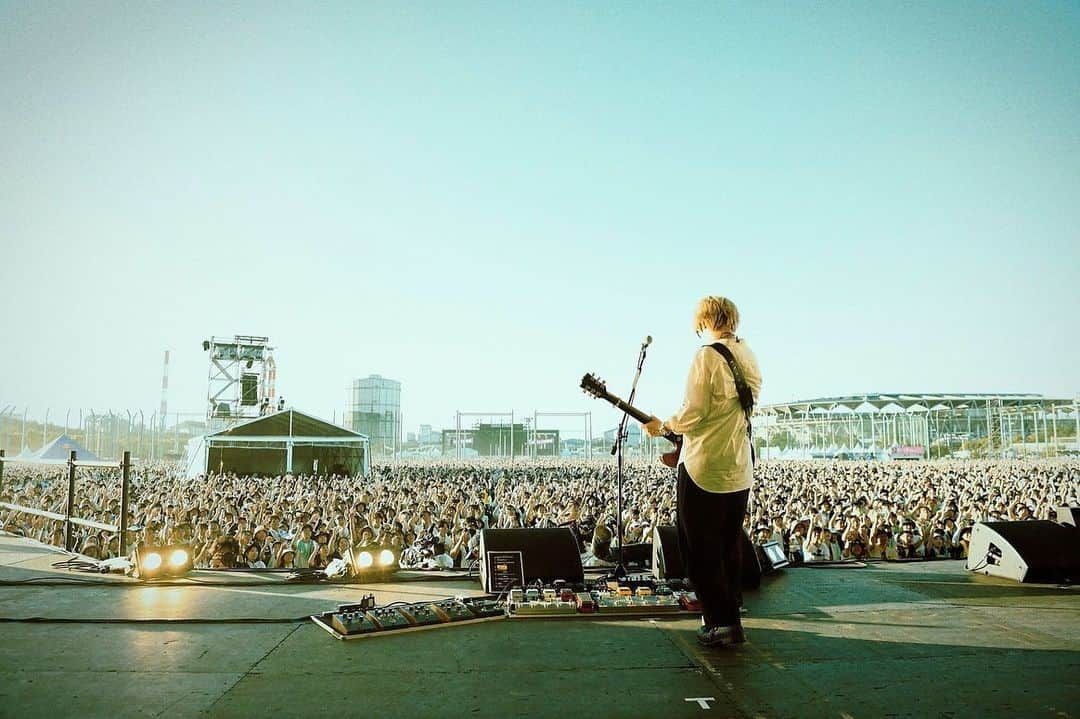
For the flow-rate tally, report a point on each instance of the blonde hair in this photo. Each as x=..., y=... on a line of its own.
x=718, y=314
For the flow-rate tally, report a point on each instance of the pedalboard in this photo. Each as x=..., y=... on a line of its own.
x=364, y=619
x=633, y=597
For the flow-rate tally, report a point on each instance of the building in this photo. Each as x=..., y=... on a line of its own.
x=918, y=425
x=429, y=436
x=374, y=410
x=633, y=434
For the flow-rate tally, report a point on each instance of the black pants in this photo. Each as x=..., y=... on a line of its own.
x=709, y=526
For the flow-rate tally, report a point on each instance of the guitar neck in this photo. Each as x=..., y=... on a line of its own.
x=628, y=408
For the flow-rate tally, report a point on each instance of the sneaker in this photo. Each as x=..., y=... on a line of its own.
x=721, y=636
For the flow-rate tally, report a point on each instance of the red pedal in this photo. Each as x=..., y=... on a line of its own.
x=689, y=602
x=585, y=603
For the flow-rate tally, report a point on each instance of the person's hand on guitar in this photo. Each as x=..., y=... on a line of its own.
x=654, y=427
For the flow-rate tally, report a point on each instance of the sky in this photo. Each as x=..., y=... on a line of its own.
x=487, y=200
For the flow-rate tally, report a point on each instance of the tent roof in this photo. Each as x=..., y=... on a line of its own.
x=60, y=448
x=286, y=423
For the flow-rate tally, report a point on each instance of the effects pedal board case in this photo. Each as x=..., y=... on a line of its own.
x=354, y=622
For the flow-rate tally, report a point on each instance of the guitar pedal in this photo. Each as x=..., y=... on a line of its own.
x=419, y=615
x=450, y=610
x=388, y=618
x=350, y=623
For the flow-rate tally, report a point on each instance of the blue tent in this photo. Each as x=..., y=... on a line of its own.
x=60, y=448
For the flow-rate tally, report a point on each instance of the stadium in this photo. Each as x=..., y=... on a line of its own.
x=508, y=360
x=918, y=426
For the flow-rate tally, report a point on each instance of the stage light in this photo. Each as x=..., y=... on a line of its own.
x=172, y=560
x=375, y=562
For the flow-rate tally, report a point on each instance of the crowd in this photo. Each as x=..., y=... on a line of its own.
x=431, y=513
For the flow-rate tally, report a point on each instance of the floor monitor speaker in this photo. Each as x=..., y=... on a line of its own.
x=1030, y=551
x=1068, y=515
x=515, y=557
x=667, y=559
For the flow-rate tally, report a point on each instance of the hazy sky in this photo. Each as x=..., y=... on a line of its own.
x=485, y=201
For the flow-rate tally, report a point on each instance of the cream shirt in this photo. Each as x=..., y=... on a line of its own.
x=716, y=450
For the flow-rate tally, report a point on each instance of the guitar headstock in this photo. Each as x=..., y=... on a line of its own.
x=594, y=386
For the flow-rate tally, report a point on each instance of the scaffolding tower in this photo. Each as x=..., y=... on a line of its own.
x=239, y=381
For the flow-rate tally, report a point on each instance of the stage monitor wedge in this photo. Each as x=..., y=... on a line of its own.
x=1036, y=551
x=668, y=562
x=1068, y=515
x=511, y=557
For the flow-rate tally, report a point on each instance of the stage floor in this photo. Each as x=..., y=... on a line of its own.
x=892, y=640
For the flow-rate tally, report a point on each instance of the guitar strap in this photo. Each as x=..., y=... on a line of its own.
x=746, y=396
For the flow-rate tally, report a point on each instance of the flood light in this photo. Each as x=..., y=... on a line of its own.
x=375, y=562
x=152, y=562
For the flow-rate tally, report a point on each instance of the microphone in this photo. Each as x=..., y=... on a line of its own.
x=648, y=341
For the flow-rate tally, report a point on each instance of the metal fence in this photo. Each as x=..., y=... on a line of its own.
x=72, y=463
x=106, y=433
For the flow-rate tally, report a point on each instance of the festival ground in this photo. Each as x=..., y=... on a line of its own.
x=890, y=640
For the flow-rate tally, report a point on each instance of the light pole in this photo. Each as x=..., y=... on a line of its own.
x=91, y=420
x=45, y=428
x=3, y=424
x=22, y=437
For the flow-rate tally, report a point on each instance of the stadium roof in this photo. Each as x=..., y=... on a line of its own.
x=910, y=402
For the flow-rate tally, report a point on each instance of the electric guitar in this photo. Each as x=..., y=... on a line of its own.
x=597, y=388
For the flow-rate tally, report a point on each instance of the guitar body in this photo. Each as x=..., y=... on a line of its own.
x=671, y=459
x=596, y=387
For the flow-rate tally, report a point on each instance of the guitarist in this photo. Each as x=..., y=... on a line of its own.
x=715, y=467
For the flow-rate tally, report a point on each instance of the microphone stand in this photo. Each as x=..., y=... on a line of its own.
x=617, y=450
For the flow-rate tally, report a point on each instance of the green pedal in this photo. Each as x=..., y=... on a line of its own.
x=420, y=615
x=485, y=608
x=451, y=610
x=389, y=618
x=350, y=623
